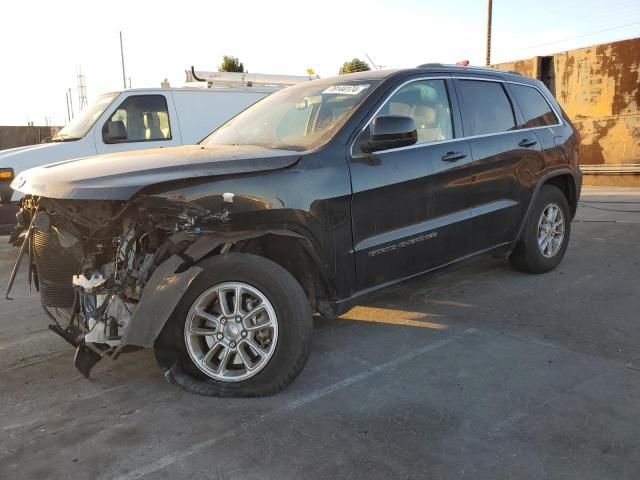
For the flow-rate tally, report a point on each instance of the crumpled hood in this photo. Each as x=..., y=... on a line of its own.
x=119, y=176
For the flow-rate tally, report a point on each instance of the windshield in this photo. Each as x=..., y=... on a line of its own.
x=299, y=118
x=80, y=125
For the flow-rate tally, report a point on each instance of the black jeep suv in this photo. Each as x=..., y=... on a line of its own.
x=216, y=255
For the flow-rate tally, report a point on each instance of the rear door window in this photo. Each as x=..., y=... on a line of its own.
x=534, y=107
x=486, y=108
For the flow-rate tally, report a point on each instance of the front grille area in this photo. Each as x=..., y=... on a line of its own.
x=56, y=267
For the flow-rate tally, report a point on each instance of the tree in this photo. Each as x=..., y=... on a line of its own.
x=231, y=64
x=355, y=65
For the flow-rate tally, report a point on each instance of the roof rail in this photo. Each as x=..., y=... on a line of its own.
x=513, y=72
x=433, y=64
x=439, y=65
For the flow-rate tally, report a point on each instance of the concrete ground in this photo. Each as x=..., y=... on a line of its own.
x=477, y=372
x=7, y=218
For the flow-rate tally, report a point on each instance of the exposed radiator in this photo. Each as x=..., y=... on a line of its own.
x=56, y=267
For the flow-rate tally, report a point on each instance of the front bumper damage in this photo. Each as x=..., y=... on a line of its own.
x=110, y=281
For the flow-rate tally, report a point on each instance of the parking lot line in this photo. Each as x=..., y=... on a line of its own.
x=174, y=457
x=392, y=316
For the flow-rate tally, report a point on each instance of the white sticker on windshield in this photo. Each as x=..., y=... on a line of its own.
x=346, y=89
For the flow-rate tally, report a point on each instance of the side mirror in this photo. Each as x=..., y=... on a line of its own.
x=390, y=131
x=114, y=131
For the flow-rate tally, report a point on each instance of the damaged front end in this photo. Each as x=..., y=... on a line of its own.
x=110, y=273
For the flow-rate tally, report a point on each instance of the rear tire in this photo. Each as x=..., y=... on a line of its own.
x=212, y=344
x=545, y=236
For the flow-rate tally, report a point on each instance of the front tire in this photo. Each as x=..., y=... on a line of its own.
x=243, y=328
x=546, y=234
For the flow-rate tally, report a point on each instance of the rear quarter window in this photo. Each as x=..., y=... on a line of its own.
x=534, y=107
x=486, y=108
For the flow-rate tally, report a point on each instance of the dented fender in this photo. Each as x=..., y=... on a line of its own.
x=171, y=280
x=159, y=299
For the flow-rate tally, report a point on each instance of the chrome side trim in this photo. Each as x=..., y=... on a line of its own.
x=415, y=229
x=433, y=224
x=492, y=207
x=402, y=279
x=457, y=139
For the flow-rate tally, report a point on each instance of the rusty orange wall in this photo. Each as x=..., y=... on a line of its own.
x=599, y=88
x=528, y=67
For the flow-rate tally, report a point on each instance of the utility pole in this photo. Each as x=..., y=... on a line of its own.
x=70, y=104
x=124, y=77
x=66, y=95
x=489, y=14
x=82, y=89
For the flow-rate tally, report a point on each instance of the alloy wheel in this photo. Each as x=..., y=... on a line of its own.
x=551, y=230
x=231, y=331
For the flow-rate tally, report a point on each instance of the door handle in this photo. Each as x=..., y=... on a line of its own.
x=453, y=156
x=528, y=142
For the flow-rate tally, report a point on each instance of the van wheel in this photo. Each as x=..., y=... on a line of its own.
x=243, y=328
x=546, y=234
x=5, y=197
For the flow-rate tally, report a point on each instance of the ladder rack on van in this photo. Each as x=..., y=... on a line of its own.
x=237, y=79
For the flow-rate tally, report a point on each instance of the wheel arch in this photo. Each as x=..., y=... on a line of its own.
x=168, y=283
x=291, y=250
x=293, y=312
x=567, y=184
x=565, y=180
x=294, y=253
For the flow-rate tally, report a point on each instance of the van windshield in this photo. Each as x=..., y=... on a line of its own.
x=80, y=125
x=301, y=117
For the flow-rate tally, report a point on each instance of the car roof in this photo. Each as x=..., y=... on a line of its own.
x=440, y=68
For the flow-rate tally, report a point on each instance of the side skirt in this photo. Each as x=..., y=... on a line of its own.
x=345, y=304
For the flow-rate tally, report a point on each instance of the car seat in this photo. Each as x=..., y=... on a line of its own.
x=429, y=129
x=153, y=126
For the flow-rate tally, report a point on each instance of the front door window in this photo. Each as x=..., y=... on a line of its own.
x=427, y=103
x=140, y=118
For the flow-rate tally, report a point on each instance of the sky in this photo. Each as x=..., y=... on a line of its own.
x=45, y=42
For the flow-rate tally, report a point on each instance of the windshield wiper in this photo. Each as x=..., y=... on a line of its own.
x=295, y=148
x=65, y=138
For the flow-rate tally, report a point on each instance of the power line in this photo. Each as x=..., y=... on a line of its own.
x=594, y=17
x=580, y=14
x=583, y=35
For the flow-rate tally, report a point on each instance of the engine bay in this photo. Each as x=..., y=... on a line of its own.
x=92, y=260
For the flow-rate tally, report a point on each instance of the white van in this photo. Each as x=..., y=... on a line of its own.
x=134, y=119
